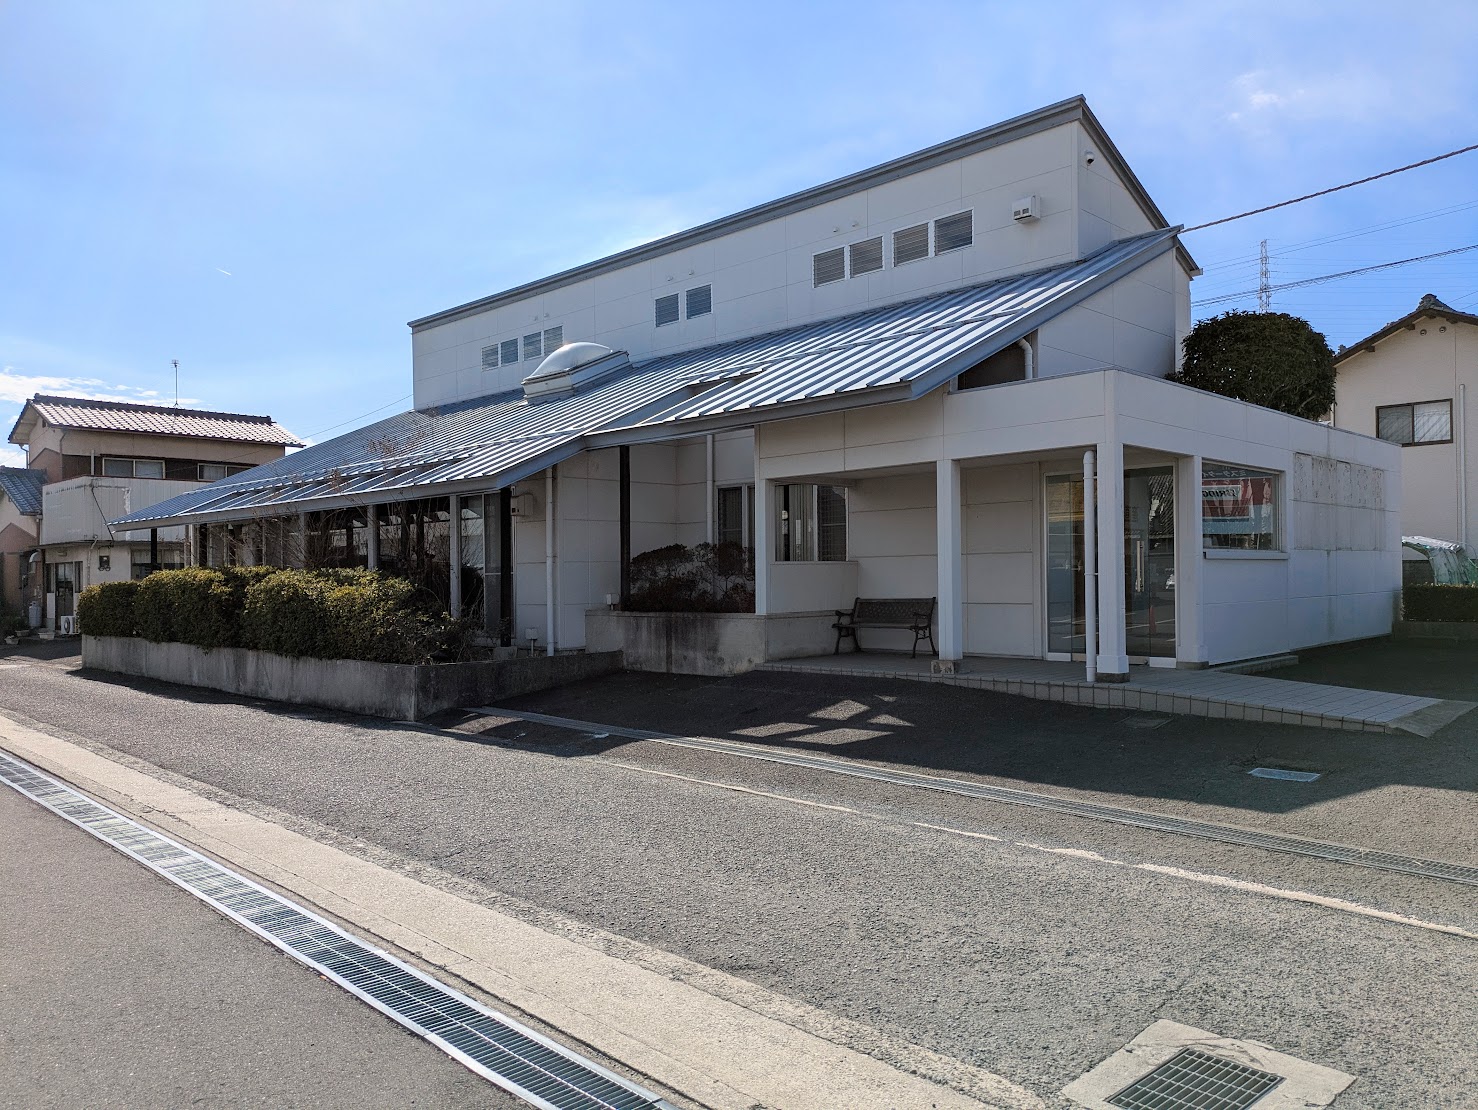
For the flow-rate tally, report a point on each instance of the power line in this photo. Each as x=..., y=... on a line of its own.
x=1332, y=277
x=1333, y=189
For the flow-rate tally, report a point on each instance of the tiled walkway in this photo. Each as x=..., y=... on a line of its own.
x=1197, y=693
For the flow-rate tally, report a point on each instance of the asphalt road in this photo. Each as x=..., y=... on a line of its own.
x=1034, y=948
x=120, y=990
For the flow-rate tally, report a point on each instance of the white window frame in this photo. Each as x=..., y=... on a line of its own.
x=746, y=512
x=815, y=548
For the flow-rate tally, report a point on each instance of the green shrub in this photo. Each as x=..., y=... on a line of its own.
x=1431, y=602
x=343, y=614
x=12, y=620
x=109, y=609
x=322, y=614
x=189, y=606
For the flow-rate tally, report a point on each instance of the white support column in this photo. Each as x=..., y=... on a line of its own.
x=762, y=541
x=1190, y=626
x=950, y=547
x=454, y=557
x=1113, y=662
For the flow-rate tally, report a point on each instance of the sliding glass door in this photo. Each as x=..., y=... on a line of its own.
x=1149, y=564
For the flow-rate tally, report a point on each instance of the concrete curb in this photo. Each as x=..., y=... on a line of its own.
x=710, y=1050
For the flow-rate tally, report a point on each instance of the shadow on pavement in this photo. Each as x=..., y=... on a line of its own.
x=942, y=729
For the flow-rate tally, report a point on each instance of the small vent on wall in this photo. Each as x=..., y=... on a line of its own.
x=490, y=357
x=910, y=244
x=1025, y=208
x=532, y=346
x=554, y=339
x=828, y=266
x=509, y=351
x=700, y=301
x=866, y=257
x=953, y=232
x=667, y=310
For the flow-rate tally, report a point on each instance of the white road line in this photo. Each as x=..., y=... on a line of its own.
x=1340, y=904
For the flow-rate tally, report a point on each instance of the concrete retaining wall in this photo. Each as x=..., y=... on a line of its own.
x=707, y=643
x=396, y=690
x=1435, y=630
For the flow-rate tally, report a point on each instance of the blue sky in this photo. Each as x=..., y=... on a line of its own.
x=269, y=191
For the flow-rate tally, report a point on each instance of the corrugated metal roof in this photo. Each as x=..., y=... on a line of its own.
x=504, y=438
x=888, y=346
x=154, y=420
x=23, y=487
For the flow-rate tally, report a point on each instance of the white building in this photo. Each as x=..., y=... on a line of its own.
x=1409, y=383
x=887, y=386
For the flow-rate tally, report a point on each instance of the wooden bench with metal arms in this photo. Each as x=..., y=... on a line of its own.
x=912, y=614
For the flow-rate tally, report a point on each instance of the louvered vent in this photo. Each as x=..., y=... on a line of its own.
x=532, y=346
x=667, y=309
x=554, y=339
x=866, y=256
x=953, y=232
x=828, y=266
x=490, y=357
x=700, y=301
x=509, y=351
x=910, y=244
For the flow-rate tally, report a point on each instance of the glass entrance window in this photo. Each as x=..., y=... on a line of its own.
x=1149, y=562
x=482, y=561
x=1065, y=587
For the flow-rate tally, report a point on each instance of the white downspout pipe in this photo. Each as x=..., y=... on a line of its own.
x=1090, y=565
x=708, y=486
x=1026, y=347
x=550, y=609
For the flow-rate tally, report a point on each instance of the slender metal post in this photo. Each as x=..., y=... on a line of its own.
x=505, y=566
x=153, y=549
x=1090, y=566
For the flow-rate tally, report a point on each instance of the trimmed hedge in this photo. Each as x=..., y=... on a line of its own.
x=1431, y=602
x=329, y=614
x=109, y=610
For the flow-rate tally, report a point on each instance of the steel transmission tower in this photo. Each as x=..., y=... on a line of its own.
x=1264, y=286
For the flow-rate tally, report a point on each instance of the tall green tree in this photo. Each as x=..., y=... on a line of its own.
x=1269, y=358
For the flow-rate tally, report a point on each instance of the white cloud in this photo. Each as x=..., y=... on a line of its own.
x=17, y=388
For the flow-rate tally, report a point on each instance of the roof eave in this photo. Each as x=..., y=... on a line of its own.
x=1405, y=323
x=484, y=484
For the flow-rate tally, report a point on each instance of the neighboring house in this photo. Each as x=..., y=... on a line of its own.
x=20, y=513
x=888, y=385
x=1408, y=384
x=103, y=459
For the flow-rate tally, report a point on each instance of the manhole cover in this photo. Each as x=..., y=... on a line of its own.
x=1196, y=1080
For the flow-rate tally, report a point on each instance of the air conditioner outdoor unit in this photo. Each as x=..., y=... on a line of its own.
x=1025, y=208
x=67, y=626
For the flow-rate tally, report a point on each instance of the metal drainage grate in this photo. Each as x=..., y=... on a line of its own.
x=1138, y=818
x=498, y=1048
x=1196, y=1080
x=1285, y=774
